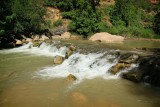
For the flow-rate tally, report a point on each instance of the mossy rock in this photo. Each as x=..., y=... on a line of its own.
x=36, y=44
x=129, y=58
x=71, y=77
x=58, y=59
x=68, y=53
x=72, y=48
x=115, y=69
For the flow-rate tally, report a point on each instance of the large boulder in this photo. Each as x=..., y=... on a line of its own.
x=106, y=37
x=27, y=40
x=43, y=38
x=19, y=42
x=58, y=59
x=66, y=35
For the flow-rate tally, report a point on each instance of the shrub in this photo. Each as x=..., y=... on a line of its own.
x=57, y=23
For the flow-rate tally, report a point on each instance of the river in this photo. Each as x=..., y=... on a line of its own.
x=28, y=77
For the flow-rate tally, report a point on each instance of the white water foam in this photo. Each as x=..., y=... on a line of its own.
x=82, y=66
x=45, y=49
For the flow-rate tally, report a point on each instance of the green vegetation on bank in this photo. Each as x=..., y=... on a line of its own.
x=130, y=18
x=21, y=16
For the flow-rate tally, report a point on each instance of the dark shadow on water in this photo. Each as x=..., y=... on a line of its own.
x=145, y=90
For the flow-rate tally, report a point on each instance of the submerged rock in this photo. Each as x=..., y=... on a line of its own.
x=58, y=59
x=71, y=78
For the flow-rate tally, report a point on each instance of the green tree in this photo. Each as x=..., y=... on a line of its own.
x=125, y=13
x=86, y=18
x=29, y=15
x=156, y=23
x=6, y=18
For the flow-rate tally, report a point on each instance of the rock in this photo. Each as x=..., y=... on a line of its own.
x=66, y=35
x=129, y=58
x=68, y=53
x=72, y=48
x=71, y=78
x=106, y=37
x=134, y=76
x=43, y=38
x=148, y=71
x=75, y=37
x=78, y=98
x=57, y=31
x=58, y=59
x=36, y=44
x=56, y=37
x=35, y=38
x=115, y=69
x=27, y=40
x=19, y=42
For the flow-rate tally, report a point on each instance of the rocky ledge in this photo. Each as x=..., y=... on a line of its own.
x=147, y=71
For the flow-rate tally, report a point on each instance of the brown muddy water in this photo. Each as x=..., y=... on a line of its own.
x=20, y=86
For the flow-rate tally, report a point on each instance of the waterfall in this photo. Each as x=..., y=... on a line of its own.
x=81, y=65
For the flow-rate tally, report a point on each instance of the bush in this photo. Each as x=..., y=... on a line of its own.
x=28, y=16
x=57, y=23
x=156, y=25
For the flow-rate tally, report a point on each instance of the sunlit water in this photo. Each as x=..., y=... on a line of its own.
x=28, y=78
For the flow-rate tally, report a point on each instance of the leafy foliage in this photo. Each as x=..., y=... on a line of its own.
x=125, y=13
x=29, y=15
x=6, y=18
x=156, y=24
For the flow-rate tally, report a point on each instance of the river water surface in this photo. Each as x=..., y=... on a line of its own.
x=28, y=78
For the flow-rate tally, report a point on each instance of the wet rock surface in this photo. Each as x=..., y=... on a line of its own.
x=148, y=71
x=125, y=61
x=71, y=78
x=58, y=59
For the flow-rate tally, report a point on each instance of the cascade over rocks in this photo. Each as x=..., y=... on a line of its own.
x=125, y=61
